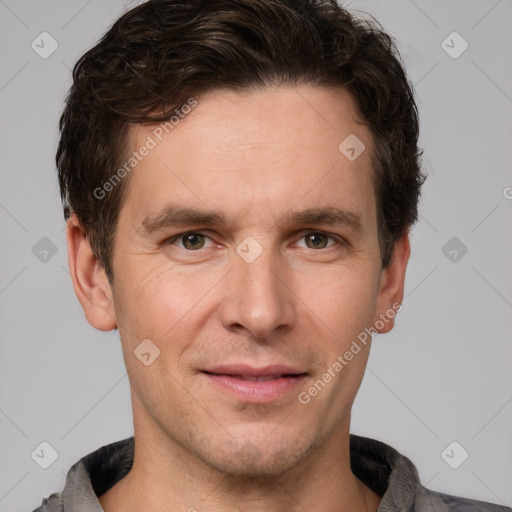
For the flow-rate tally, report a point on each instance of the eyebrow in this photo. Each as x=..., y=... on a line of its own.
x=174, y=215
x=177, y=215
x=328, y=216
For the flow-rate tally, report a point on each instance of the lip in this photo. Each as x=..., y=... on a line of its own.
x=279, y=380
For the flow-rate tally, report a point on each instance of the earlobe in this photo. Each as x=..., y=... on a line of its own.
x=391, y=291
x=89, y=279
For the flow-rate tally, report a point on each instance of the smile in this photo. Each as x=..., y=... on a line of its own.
x=249, y=384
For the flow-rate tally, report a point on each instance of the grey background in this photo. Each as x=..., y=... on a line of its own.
x=442, y=375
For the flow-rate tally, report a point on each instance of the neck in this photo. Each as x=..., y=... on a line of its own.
x=165, y=476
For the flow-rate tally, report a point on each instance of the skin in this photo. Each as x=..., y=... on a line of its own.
x=255, y=156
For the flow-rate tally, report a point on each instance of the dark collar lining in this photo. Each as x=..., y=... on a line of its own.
x=372, y=462
x=109, y=464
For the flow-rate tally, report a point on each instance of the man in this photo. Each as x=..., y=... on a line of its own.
x=239, y=178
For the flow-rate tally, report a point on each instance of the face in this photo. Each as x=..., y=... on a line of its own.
x=247, y=252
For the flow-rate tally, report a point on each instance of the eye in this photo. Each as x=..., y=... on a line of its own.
x=317, y=240
x=190, y=241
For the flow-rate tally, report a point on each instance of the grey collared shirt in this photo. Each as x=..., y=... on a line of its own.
x=379, y=466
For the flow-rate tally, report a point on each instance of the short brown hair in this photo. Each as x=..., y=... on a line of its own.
x=163, y=52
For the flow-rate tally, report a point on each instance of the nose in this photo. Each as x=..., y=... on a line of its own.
x=259, y=298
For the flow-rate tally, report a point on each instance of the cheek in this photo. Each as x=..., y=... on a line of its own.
x=141, y=305
x=158, y=304
x=343, y=299
x=154, y=308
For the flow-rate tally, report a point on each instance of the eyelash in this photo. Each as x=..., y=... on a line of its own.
x=179, y=236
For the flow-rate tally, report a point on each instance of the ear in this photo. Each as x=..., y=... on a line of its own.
x=391, y=292
x=89, y=279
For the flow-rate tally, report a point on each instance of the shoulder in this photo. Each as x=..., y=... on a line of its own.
x=90, y=477
x=51, y=504
x=395, y=478
x=433, y=500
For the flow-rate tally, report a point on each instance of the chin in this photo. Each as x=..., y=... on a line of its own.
x=259, y=459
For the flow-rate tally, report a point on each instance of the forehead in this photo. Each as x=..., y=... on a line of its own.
x=257, y=151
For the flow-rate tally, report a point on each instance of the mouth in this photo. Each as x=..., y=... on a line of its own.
x=255, y=385
x=262, y=378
